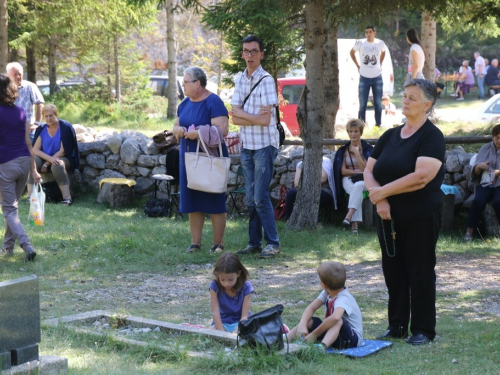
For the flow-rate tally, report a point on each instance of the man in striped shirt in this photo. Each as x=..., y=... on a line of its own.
x=260, y=143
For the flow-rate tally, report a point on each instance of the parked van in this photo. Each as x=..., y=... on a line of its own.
x=291, y=87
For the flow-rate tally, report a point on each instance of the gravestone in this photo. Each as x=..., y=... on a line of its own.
x=19, y=321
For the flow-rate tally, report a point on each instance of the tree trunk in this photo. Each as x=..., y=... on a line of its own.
x=172, y=61
x=429, y=44
x=4, y=35
x=52, y=64
x=311, y=117
x=31, y=61
x=330, y=79
x=117, y=69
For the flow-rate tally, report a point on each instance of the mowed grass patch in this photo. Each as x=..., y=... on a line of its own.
x=94, y=257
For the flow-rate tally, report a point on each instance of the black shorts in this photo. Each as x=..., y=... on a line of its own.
x=347, y=337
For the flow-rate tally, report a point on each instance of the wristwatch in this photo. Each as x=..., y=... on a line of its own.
x=37, y=123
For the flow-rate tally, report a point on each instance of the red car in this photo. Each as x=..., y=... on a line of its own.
x=291, y=89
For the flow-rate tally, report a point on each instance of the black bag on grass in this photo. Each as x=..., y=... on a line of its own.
x=52, y=192
x=263, y=329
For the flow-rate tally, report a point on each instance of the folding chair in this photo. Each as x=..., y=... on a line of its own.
x=241, y=189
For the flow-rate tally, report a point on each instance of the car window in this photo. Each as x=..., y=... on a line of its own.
x=494, y=108
x=292, y=93
x=156, y=85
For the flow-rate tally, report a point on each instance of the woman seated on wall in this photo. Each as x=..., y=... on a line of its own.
x=485, y=176
x=56, y=151
x=348, y=166
x=327, y=196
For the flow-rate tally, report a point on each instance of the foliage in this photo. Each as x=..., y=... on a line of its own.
x=237, y=19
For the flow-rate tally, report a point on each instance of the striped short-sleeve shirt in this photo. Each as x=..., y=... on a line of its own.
x=29, y=95
x=256, y=137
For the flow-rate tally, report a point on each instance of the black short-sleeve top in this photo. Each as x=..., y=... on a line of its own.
x=396, y=157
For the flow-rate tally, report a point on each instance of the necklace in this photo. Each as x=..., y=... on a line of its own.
x=393, y=234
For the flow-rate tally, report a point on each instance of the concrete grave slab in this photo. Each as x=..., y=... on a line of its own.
x=20, y=319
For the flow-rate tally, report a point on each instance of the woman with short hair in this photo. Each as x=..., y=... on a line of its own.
x=56, y=150
x=348, y=166
x=403, y=175
x=205, y=111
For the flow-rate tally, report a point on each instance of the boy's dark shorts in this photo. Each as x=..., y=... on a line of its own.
x=347, y=337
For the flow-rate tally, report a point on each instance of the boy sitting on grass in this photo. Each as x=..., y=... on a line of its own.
x=343, y=325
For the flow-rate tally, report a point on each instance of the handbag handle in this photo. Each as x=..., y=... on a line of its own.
x=200, y=139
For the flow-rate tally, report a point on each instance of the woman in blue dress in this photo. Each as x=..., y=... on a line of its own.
x=200, y=107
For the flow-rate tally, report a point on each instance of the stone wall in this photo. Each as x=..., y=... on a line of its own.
x=133, y=155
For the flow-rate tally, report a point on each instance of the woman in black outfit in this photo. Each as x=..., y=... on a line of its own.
x=403, y=176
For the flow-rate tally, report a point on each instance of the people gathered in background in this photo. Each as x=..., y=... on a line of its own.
x=56, y=150
x=485, y=176
x=416, y=58
x=348, y=166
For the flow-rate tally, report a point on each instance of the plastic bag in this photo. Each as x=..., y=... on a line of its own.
x=36, y=215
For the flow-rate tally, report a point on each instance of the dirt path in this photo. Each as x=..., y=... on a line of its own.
x=455, y=273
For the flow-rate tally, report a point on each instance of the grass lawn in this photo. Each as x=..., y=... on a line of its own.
x=93, y=257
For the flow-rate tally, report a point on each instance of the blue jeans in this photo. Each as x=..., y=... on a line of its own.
x=482, y=196
x=480, y=84
x=258, y=169
x=377, y=86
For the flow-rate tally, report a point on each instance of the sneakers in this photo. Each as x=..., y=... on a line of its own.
x=459, y=98
x=250, y=250
x=320, y=346
x=453, y=94
x=269, y=251
x=492, y=92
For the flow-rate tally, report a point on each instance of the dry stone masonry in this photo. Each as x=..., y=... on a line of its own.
x=131, y=154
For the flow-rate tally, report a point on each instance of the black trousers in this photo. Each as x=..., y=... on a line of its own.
x=408, y=264
x=325, y=200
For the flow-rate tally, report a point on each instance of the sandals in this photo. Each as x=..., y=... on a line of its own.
x=192, y=248
x=67, y=202
x=216, y=249
x=468, y=237
x=346, y=222
x=354, y=231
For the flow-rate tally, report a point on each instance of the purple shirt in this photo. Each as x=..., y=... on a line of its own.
x=230, y=307
x=12, y=133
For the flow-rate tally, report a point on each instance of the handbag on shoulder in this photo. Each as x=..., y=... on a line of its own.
x=263, y=329
x=280, y=209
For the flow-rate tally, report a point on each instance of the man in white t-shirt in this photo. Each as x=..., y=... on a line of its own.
x=371, y=53
x=480, y=71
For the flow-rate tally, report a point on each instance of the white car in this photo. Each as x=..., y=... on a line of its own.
x=489, y=111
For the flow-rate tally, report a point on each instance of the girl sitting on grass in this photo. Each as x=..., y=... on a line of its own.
x=229, y=293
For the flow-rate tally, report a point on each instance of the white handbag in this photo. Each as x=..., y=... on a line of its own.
x=207, y=173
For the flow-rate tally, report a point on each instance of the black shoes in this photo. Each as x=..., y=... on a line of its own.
x=30, y=254
x=418, y=339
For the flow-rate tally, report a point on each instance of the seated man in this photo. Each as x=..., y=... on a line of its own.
x=327, y=187
x=491, y=78
x=466, y=82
